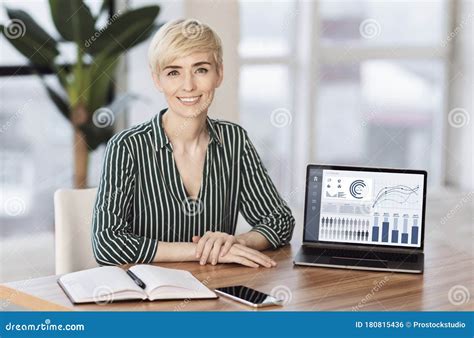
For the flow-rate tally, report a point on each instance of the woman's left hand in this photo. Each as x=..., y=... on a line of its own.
x=213, y=244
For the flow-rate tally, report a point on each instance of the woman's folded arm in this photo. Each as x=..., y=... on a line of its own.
x=112, y=239
x=260, y=203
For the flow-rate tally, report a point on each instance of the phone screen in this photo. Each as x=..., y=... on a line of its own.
x=247, y=294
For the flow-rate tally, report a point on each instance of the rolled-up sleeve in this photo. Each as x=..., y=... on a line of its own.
x=113, y=241
x=260, y=204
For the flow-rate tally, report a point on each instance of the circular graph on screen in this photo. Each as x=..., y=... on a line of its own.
x=358, y=189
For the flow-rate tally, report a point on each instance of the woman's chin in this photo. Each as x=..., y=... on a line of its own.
x=188, y=112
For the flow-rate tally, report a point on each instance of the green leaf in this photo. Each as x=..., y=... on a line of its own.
x=102, y=73
x=95, y=136
x=125, y=32
x=30, y=39
x=106, y=5
x=60, y=102
x=73, y=20
x=62, y=74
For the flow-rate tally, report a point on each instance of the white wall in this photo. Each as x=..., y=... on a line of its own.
x=459, y=147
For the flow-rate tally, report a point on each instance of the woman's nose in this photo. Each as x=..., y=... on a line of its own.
x=188, y=84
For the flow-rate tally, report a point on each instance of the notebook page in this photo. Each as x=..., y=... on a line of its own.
x=154, y=276
x=163, y=283
x=100, y=283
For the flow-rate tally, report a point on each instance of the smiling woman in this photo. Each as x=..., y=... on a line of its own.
x=171, y=188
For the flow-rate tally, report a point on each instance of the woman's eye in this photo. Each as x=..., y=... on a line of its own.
x=202, y=70
x=173, y=73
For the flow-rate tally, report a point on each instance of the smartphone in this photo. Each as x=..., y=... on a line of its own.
x=248, y=296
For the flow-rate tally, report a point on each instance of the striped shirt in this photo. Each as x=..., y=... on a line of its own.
x=142, y=200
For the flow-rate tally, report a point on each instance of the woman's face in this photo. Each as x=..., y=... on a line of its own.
x=189, y=83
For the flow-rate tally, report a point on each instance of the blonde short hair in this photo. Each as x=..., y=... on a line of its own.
x=180, y=38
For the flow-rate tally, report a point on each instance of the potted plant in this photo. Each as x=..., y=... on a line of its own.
x=86, y=83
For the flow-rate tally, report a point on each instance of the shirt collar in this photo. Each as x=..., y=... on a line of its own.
x=162, y=140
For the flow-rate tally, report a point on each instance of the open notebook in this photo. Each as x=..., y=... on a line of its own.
x=111, y=283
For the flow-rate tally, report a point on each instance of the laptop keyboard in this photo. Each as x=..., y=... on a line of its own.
x=375, y=255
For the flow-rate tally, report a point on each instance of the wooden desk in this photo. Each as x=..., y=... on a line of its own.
x=449, y=266
x=305, y=288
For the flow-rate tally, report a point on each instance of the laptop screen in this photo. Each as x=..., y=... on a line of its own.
x=364, y=206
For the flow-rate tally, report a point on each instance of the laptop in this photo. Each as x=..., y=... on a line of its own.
x=364, y=218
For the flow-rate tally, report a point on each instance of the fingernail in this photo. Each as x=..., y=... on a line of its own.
x=213, y=262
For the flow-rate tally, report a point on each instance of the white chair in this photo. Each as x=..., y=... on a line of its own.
x=73, y=225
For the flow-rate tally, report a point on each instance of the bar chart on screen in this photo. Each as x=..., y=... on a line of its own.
x=387, y=229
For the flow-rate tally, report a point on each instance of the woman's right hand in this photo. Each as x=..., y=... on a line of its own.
x=241, y=254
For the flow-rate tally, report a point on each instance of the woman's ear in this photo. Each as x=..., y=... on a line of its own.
x=220, y=73
x=156, y=80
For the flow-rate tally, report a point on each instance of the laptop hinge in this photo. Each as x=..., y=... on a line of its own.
x=362, y=247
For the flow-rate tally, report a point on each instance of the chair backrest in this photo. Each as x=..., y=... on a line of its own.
x=73, y=225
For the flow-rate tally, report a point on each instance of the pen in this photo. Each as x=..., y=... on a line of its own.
x=136, y=279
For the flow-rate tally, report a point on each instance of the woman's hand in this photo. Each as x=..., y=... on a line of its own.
x=220, y=247
x=241, y=254
x=212, y=245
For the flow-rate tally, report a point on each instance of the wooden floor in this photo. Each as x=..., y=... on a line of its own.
x=445, y=285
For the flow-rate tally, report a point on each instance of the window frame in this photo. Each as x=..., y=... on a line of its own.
x=372, y=52
x=304, y=80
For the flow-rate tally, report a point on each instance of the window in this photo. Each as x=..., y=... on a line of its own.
x=359, y=85
x=381, y=83
x=267, y=83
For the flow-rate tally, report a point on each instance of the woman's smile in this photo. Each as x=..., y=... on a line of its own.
x=189, y=100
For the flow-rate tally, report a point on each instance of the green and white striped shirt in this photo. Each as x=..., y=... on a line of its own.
x=142, y=200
